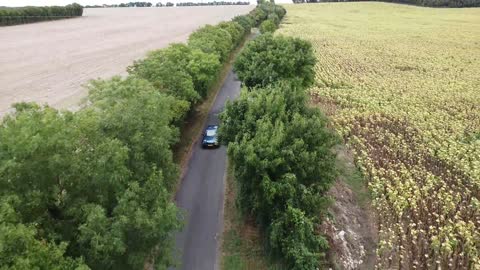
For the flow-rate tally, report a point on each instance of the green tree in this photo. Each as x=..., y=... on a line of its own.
x=20, y=247
x=293, y=237
x=179, y=70
x=269, y=58
x=236, y=31
x=246, y=22
x=131, y=111
x=268, y=26
x=75, y=182
x=281, y=151
x=165, y=69
x=212, y=39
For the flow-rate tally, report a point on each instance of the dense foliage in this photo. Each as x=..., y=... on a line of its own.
x=283, y=162
x=426, y=3
x=271, y=58
x=280, y=148
x=179, y=70
x=96, y=180
x=411, y=117
x=245, y=21
x=22, y=15
x=92, y=189
x=268, y=26
x=212, y=39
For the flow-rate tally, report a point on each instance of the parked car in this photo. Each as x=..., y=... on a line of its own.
x=210, y=137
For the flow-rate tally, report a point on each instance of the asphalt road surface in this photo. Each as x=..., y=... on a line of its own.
x=202, y=192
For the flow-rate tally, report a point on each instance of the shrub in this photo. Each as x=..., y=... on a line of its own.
x=274, y=17
x=268, y=26
x=258, y=15
x=212, y=39
x=268, y=59
x=246, y=22
x=293, y=237
x=280, y=11
x=236, y=31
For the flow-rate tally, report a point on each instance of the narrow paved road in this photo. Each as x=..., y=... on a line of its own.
x=201, y=194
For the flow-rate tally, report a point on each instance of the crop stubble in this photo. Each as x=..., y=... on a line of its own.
x=49, y=62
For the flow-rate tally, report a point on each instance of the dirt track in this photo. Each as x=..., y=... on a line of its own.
x=49, y=62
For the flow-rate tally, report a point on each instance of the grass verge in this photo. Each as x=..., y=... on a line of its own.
x=241, y=243
x=241, y=247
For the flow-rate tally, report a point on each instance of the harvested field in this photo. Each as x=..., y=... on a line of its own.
x=49, y=62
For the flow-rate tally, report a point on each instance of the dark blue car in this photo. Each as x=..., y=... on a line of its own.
x=210, y=137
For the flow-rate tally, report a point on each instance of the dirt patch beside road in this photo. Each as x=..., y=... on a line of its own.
x=49, y=62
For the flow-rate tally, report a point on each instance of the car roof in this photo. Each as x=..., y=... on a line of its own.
x=212, y=127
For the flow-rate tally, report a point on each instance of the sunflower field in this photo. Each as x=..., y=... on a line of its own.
x=401, y=85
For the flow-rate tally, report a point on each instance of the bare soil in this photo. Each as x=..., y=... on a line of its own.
x=49, y=62
x=352, y=230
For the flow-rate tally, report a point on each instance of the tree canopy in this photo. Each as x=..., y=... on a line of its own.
x=269, y=58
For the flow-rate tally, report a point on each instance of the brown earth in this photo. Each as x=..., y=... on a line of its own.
x=49, y=62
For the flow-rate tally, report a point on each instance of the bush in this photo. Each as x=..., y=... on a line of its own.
x=246, y=22
x=274, y=17
x=280, y=11
x=268, y=26
x=212, y=39
x=258, y=15
x=236, y=31
x=268, y=59
x=293, y=237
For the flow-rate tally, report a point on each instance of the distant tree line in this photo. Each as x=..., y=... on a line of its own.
x=92, y=189
x=169, y=4
x=214, y=3
x=129, y=4
x=426, y=3
x=22, y=15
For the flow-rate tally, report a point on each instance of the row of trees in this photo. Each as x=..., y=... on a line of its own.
x=214, y=3
x=129, y=4
x=426, y=3
x=170, y=4
x=281, y=148
x=92, y=189
x=22, y=15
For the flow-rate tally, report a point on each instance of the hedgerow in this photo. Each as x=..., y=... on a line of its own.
x=92, y=189
x=280, y=148
x=22, y=15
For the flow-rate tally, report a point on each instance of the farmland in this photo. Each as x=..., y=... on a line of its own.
x=49, y=62
x=401, y=86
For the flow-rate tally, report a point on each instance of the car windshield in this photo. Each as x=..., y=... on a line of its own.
x=210, y=133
